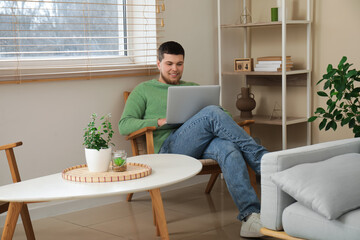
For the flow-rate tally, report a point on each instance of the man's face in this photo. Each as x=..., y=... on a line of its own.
x=171, y=68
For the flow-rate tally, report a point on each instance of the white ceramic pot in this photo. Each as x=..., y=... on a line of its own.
x=98, y=161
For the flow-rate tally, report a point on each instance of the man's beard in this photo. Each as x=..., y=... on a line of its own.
x=168, y=81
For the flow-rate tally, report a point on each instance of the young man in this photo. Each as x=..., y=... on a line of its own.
x=211, y=133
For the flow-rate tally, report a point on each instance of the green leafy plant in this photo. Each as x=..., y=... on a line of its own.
x=342, y=95
x=98, y=137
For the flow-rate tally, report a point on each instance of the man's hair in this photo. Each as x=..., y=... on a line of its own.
x=170, y=47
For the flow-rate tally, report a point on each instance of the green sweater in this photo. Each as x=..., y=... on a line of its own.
x=145, y=105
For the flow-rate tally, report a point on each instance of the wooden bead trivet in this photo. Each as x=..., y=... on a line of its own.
x=80, y=173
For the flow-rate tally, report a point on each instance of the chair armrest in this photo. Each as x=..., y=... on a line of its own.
x=246, y=123
x=11, y=145
x=273, y=200
x=140, y=132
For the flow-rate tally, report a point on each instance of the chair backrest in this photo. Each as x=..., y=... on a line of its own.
x=4, y=206
x=140, y=142
x=9, y=151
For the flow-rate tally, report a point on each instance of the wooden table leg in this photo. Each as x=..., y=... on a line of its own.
x=159, y=213
x=25, y=217
x=11, y=220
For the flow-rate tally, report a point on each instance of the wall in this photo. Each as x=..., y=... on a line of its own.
x=49, y=117
x=335, y=36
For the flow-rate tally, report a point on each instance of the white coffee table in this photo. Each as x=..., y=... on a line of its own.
x=167, y=169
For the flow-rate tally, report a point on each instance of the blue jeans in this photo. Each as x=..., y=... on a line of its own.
x=212, y=133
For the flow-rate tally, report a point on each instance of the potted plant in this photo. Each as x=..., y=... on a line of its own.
x=342, y=96
x=97, y=141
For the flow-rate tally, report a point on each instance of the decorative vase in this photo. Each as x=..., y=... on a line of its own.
x=118, y=163
x=98, y=161
x=245, y=103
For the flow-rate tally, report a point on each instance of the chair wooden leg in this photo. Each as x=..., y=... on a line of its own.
x=155, y=223
x=252, y=177
x=11, y=220
x=25, y=216
x=129, y=197
x=4, y=207
x=211, y=182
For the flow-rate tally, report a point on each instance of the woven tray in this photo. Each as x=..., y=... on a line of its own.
x=80, y=173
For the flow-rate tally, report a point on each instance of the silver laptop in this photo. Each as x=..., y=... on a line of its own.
x=183, y=102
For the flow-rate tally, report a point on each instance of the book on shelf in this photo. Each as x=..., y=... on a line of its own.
x=274, y=62
x=261, y=69
x=272, y=58
x=290, y=65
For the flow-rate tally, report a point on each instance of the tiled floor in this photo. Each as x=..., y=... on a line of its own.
x=190, y=213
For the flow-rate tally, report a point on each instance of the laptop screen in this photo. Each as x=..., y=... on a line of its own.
x=183, y=102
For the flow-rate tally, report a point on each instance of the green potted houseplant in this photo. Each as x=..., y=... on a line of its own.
x=97, y=140
x=343, y=98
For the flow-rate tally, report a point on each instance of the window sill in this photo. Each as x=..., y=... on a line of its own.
x=79, y=76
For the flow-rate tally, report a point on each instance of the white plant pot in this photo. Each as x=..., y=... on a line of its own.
x=98, y=161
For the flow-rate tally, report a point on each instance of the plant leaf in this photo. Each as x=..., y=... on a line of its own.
x=327, y=84
x=352, y=123
x=345, y=121
x=322, y=124
x=351, y=74
x=329, y=68
x=338, y=117
x=322, y=94
x=354, y=108
x=342, y=61
x=313, y=118
x=328, y=126
x=333, y=125
x=320, y=110
x=332, y=107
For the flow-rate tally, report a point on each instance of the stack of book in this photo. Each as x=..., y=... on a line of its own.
x=272, y=64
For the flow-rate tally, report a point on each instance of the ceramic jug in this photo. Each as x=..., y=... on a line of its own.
x=245, y=103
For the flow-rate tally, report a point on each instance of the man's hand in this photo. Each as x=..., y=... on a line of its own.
x=161, y=121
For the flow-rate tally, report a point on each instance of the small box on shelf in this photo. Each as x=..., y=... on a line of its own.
x=243, y=64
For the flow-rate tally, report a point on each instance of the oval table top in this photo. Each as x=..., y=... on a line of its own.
x=167, y=169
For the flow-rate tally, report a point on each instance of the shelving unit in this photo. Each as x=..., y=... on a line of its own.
x=285, y=78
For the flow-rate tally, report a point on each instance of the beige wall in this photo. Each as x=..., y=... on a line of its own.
x=49, y=117
x=336, y=34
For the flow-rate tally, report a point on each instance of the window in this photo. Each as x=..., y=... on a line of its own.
x=66, y=38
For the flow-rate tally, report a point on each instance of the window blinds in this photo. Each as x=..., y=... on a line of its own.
x=52, y=39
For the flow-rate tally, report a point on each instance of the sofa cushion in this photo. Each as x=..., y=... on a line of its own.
x=273, y=199
x=301, y=222
x=330, y=187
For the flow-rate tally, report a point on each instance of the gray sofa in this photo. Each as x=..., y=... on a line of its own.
x=281, y=212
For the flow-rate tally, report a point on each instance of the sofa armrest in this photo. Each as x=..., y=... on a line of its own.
x=273, y=200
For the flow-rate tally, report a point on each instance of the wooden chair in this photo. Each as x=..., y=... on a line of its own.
x=142, y=142
x=25, y=216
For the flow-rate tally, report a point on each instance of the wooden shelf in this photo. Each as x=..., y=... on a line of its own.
x=259, y=119
x=294, y=72
x=297, y=78
x=265, y=24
